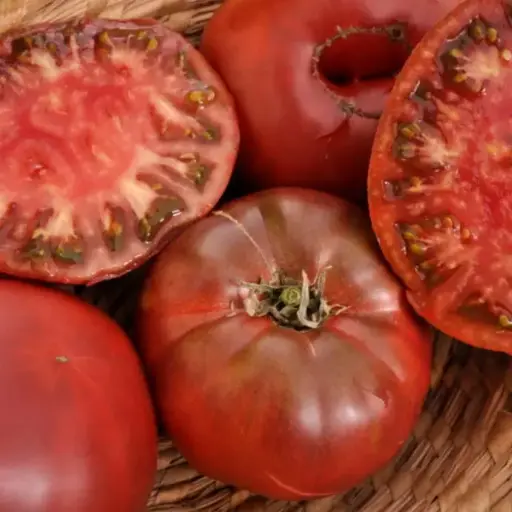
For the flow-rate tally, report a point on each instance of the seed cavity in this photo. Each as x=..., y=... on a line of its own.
x=37, y=248
x=113, y=228
x=424, y=145
x=409, y=130
x=471, y=62
x=197, y=172
x=442, y=181
x=437, y=246
x=162, y=209
x=69, y=251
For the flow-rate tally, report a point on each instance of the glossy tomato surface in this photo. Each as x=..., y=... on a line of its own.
x=310, y=79
x=112, y=134
x=288, y=413
x=77, y=430
x=440, y=191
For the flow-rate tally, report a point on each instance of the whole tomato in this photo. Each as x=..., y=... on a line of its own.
x=284, y=357
x=77, y=431
x=310, y=79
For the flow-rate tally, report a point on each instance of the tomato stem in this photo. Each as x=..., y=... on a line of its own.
x=298, y=304
x=291, y=296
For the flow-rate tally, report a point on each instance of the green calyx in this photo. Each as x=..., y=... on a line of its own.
x=299, y=305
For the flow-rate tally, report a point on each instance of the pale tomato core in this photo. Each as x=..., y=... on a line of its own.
x=95, y=118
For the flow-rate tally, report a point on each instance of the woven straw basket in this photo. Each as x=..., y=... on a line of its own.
x=459, y=458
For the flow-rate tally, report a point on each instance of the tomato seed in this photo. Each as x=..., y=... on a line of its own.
x=477, y=30
x=409, y=130
x=492, y=35
x=405, y=151
x=210, y=134
x=505, y=321
x=152, y=44
x=506, y=55
x=201, y=97
x=466, y=234
x=418, y=249
x=104, y=38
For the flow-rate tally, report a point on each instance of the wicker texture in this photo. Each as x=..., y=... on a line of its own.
x=186, y=16
x=459, y=458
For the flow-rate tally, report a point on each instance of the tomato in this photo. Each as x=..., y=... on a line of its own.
x=77, y=430
x=309, y=80
x=283, y=354
x=112, y=134
x=440, y=194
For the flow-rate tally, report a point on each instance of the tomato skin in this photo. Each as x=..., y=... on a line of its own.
x=271, y=409
x=294, y=132
x=77, y=430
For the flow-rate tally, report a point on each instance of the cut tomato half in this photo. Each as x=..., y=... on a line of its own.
x=440, y=181
x=112, y=134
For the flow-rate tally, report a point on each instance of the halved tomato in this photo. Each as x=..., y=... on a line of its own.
x=112, y=133
x=440, y=191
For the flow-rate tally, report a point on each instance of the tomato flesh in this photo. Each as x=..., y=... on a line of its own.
x=112, y=133
x=440, y=189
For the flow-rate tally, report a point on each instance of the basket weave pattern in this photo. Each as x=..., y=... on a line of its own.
x=459, y=458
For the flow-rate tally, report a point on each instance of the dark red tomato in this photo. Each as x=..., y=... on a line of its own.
x=77, y=430
x=310, y=79
x=440, y=188
x=112, y=134
x=294, y=369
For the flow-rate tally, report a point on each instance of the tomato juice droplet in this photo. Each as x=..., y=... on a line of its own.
x=440, y=183
x=119, y=129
